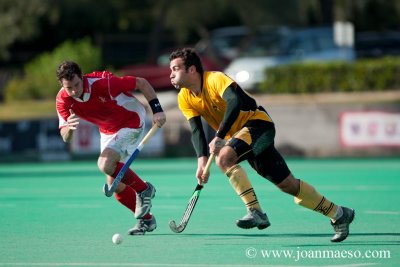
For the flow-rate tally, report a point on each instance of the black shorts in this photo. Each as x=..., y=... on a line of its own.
x=255, y=143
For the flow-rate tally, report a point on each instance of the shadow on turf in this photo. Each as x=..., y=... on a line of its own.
x=348, y=241
x=285, y=235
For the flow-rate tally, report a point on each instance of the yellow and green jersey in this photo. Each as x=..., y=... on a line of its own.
x=211, y=105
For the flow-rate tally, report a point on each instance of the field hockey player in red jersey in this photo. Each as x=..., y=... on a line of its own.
x=107, y=101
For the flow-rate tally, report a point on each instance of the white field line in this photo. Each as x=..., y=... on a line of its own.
x=168, y=265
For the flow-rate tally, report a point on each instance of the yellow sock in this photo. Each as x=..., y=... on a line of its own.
x=241, y=184
x=309, y=198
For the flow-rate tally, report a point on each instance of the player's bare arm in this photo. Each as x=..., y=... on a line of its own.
x=145, y=87
x=72, y=124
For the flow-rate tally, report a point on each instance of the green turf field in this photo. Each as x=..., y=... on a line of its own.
x=55, y=214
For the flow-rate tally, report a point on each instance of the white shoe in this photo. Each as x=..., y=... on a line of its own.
x=143, y=226
x=254, y=218
x=342, y=225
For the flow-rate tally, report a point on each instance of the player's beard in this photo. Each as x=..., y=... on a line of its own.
x=177, y=86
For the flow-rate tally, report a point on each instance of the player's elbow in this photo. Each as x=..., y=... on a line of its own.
x=142, y=83
x=145, y=87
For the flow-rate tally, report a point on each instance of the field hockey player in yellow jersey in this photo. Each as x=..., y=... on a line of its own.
x=244, y=131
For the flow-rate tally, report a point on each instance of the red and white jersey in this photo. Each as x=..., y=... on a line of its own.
x=107, y=102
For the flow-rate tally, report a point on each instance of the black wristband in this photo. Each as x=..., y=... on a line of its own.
x=155, y=106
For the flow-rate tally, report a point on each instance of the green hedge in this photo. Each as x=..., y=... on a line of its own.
x=39, y=80
x=362, y=75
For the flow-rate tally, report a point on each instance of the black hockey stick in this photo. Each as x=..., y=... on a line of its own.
x=192, y=202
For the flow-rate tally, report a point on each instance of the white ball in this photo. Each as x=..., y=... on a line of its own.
x=117, y=239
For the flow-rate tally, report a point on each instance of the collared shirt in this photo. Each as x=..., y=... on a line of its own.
x=107, y=102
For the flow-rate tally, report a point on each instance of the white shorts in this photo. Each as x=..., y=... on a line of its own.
x=124, y=142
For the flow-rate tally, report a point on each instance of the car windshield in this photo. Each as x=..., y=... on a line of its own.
x=226, y=43
x=271, y=43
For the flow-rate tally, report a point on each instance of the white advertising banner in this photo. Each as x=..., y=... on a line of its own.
x=369, y=128
x=86, y=139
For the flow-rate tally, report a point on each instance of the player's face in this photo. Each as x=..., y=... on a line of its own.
x=178, y=74
x=74, y=87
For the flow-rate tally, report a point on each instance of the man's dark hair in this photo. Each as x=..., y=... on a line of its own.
x=189, y=57
x=67, y=70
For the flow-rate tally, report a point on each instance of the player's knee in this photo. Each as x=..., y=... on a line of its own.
x=101, y=164
x=106, y=165
x=225, y=160
x=289, y=185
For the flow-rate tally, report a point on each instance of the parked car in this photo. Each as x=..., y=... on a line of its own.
x=377, y=44
x=157, y=73
x=227, y=43
x=223, y=44
x=285, y=46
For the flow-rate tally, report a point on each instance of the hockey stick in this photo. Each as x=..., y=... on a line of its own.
x=109, y=191
x=192, y=202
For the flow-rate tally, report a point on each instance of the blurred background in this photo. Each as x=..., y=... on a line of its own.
x=328, y=72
